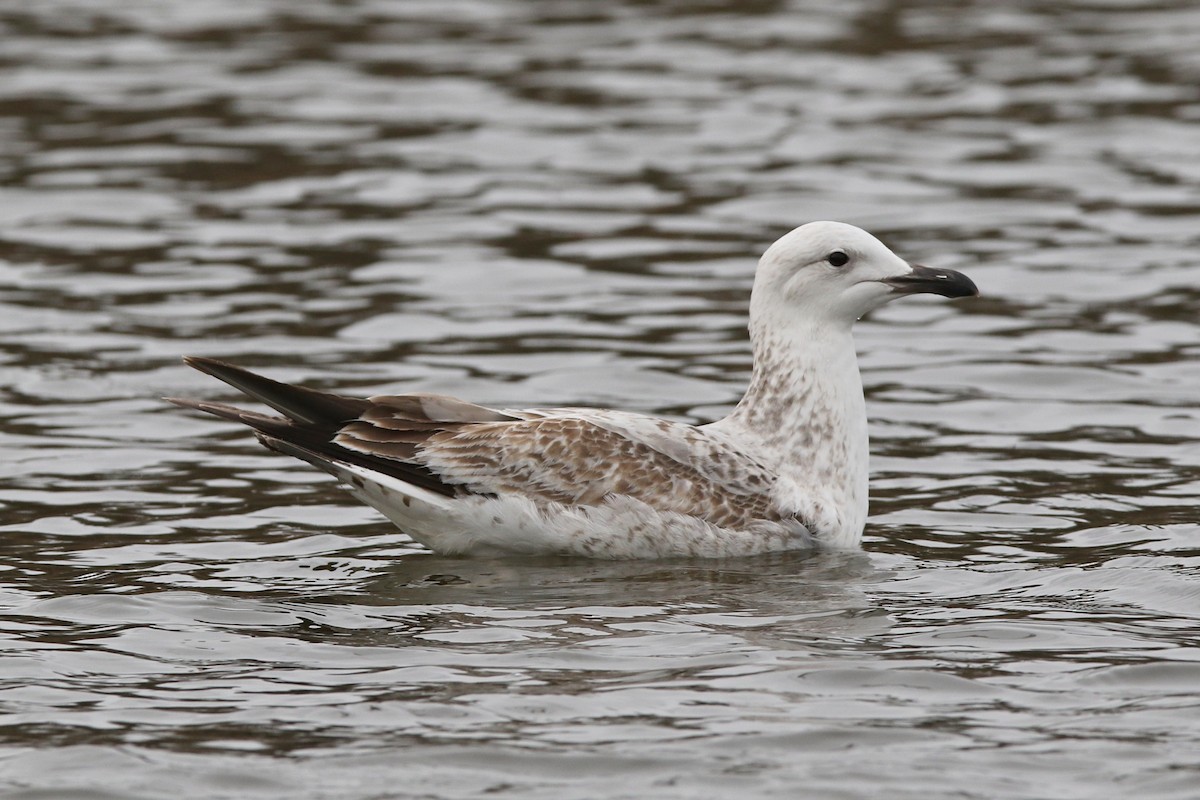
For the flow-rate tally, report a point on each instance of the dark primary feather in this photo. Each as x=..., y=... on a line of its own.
x=312, y=421
x=295, y=402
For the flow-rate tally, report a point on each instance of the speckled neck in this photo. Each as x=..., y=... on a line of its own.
x=805, y=407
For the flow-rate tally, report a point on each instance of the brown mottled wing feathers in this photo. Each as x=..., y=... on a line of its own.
x=566, y=459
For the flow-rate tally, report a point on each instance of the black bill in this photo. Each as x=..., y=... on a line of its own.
x=945, y=282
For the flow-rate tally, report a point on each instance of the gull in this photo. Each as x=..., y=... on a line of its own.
x=786, y=469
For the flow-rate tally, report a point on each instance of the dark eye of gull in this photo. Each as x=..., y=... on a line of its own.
x=837, y=258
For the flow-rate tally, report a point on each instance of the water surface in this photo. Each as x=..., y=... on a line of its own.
x=548, y=202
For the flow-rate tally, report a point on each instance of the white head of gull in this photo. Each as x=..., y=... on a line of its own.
x=786, y=469
x=804, y=408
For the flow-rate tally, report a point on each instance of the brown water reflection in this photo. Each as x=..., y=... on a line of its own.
x=547, y=202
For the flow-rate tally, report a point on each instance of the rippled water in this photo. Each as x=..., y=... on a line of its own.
x=562, y=202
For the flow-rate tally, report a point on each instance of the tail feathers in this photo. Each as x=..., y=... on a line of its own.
x=340, y=462
x=411, y=506
x=296, y=451
x=295, y=402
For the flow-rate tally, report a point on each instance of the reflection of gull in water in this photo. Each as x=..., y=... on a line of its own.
x=786, y=469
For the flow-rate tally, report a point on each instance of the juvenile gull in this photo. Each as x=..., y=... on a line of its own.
x=786, y=469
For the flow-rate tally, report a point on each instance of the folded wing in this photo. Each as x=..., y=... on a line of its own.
x=569, y=456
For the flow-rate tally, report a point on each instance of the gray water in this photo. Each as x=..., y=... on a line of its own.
x=562, y=202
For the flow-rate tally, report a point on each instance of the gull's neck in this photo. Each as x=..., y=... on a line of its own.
x=805, y=409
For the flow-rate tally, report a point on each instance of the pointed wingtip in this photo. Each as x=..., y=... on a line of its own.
x=208, y=365
x=296, y=402
x=191, y=405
